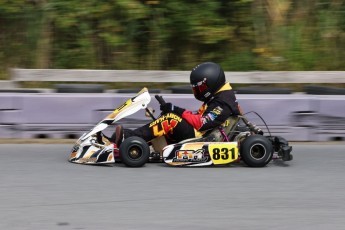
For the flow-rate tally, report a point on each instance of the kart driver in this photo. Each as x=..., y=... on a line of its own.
x=177, y=124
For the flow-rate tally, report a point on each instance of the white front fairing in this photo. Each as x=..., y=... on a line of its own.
x=131, y=106
x=99, y=127
x=88, y=151
x=139, y=102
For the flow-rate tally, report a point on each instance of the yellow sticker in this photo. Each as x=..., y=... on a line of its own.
x=119, y=109
x=223, y=153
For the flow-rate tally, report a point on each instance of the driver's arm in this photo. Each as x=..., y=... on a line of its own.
x=212, y=117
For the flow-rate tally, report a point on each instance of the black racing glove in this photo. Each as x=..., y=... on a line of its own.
x=170, y=108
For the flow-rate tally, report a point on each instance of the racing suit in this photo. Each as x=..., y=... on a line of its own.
x=180, y=124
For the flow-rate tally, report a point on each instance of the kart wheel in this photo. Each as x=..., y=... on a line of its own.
x=256, y=151
x=134, y=152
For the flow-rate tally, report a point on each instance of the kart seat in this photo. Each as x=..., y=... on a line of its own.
x=217, y=134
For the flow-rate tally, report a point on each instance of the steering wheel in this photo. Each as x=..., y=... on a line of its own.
x=160, y=100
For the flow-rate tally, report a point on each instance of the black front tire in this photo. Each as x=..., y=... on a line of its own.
x=134, y=152
x=256, y=151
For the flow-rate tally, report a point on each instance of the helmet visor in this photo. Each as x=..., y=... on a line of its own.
x=199, y=88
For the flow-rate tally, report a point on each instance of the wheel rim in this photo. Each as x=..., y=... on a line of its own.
x=135, y=152
x=257, y=151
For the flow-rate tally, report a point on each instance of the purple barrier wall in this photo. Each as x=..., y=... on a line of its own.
x=331, y=118
x=297, y=117
x=10, y=114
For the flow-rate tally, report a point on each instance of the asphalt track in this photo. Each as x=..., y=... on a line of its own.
x=41, y=190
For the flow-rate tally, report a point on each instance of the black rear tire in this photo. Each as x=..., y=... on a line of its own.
x=134, y=152
x=256, y=151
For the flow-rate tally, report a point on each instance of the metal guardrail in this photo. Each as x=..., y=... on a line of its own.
x=250, y=77
x=6, y=84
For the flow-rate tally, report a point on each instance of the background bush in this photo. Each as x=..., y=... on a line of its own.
x=172, y=34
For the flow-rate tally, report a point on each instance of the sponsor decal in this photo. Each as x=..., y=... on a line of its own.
x=166, y=117
x=190, y=156
x=217, y=111
x=122, y=106
x=207, y=94
x=212, y=115
x=223, y=153
x=165, y=124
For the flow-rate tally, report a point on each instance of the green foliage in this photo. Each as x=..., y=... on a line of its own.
x=172, y=34
x=18, y=23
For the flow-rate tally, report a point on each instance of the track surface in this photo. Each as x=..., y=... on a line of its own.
x=41, y=190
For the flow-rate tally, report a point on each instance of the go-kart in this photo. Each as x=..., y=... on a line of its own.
x=235, y=140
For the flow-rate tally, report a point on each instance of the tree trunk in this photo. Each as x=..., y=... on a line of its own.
x=45, y=40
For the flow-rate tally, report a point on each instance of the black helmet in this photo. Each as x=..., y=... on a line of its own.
x=206, y=79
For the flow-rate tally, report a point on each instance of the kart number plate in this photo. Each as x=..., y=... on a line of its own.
x=223, y=153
